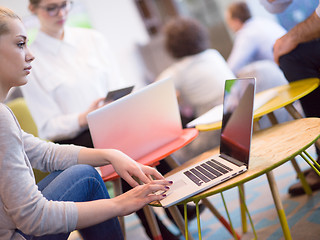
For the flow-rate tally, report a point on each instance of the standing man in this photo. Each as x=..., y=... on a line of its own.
x=297, y=54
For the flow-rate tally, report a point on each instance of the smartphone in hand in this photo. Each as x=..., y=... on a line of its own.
x=118, y=93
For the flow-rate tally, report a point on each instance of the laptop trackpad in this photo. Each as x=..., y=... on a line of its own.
x=175, y=186
x=178, y=184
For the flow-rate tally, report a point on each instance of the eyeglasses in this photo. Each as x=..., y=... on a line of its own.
x=54, y=9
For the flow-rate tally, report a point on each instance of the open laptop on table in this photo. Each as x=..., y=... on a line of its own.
x=138, y=123
x=235, y=141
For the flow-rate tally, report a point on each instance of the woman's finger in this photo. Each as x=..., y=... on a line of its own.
x=142, y=176
x=152, y=171
x=126, y=176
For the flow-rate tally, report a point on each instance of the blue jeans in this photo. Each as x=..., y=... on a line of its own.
x=79, y=183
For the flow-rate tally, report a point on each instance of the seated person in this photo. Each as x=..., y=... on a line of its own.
x=73, y=196
x=199, y=76
x=70, y=76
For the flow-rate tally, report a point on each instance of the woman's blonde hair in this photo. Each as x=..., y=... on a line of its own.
x=6, y=13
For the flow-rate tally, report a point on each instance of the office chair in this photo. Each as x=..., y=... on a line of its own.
x=23, y=115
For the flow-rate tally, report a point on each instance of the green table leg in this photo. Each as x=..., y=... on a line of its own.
x=302, y=178
x=247, y=211
x=308, y=161
x=198, y=219
x=186, y=221
x=225, y=206
x=242, y=210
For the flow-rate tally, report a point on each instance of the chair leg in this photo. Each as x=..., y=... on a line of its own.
x=117, y=188
x=152, y=222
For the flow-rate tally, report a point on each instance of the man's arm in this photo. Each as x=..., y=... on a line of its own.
x=302, y=32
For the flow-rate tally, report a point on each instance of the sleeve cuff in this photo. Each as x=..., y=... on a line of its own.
x=318, y=10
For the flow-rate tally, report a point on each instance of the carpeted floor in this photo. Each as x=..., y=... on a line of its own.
x=303, y=212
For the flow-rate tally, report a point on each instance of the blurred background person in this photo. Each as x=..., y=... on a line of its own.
x=254, y=37
x=199, y=76
x=73, y=72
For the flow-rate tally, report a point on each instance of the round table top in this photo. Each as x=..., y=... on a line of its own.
x=286, y=94
x=270, y=148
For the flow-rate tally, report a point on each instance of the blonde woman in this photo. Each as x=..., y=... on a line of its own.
x=73, y=196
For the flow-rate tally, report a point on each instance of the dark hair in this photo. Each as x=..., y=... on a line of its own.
x=6, y=13
x=185, y=37
x=239, y=10
x=34, y=2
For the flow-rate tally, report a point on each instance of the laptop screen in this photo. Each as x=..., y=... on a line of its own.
x=237, y=119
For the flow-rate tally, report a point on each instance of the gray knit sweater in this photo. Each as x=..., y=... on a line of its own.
x=22, y=206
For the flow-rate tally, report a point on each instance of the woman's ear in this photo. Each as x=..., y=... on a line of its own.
x=32, y=8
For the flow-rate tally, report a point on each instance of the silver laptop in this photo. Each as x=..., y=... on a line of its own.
x=235, y=141
x=138, y=123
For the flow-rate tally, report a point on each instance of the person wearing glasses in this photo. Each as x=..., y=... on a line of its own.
x=73, y=196
x=72, y=73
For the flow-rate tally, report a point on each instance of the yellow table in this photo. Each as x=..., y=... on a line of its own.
x=270, y=148
x=286, y=95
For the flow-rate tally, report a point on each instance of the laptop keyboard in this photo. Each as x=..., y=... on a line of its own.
x=207, y=171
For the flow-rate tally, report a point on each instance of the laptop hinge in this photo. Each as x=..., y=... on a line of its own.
x=233, y=160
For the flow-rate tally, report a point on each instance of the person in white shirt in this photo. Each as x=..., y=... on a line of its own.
x=73, y=72
x=73, y=196
x=254, y=37
x=199, y=75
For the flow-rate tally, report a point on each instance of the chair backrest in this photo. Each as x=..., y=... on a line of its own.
x=23, y=115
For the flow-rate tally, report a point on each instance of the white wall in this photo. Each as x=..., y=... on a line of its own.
x=119, y=21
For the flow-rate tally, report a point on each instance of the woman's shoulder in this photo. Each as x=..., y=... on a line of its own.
x=5, y=112
x=8, y=122
x=6, y=115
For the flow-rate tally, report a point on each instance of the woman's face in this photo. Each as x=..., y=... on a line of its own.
x=15, y=57
x=52, y=15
